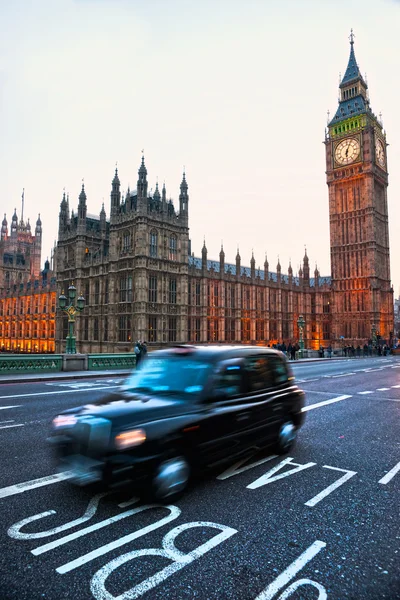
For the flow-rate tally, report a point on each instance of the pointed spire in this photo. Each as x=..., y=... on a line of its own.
x=82, y=195
x=116, y=180
x=164, y=193
x=278, y=266
x=305, y=259
x=156, y=195
x=352, y=73
x=290, y=270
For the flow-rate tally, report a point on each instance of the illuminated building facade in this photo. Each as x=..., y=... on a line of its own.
x=27, y=315
x=140, y=280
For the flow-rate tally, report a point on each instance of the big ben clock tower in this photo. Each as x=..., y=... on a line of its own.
x=357, y=178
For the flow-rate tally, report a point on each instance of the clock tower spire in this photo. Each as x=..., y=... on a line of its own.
x=357, y=178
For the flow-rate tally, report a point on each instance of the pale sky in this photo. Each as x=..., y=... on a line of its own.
x=237, y=92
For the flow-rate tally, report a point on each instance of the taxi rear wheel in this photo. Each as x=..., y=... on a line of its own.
x=170, y=478
x=286, y=436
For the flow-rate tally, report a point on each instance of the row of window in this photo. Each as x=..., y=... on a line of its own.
x=14, y=306
x=27, y=330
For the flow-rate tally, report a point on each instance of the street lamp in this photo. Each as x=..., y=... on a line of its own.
x=300, y=324
x=67, y=305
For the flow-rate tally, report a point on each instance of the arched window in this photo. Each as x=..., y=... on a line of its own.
x=153, y=243
x=173, y=245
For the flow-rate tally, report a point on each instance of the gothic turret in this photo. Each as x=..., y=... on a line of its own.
x=238, y=263
x=252, y=266
x=290, y=273
x=222, y=261
x=102, y=218
x=115, y=193
x=157, y=195
x=4, y=228
x=14, y=224
x=204, y=256
x=278, y=270
x=266, y=269
x=142, y=181
x=183, y=196
x=82, y=206
x=63, y=216
x=316, y=276
x=306, y=267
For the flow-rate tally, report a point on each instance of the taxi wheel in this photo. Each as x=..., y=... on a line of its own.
x=286, y=437
x=170, y=478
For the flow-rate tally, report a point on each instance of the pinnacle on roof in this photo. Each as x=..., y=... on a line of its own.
x=82, y=195
x=352, y=72
x=156, y=194
x=116, y=178
x=142, y=169
x=4, y=220
x=14, y=217
x=184, y=185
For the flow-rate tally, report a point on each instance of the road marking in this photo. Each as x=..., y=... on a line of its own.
x=324, y=403
x=382, y=389
x=9, y=421
x=92, y=389
x=291, y=571
x=270, y=476
x=390, y=475
x=82, y=560
x=395, y=386
x=333, y=486
x=4, y=407
x=343, y=375
x=363, y=393
x=19, y=488
x=8, y=426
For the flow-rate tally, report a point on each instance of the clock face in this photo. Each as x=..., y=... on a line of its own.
x=347, y=151
x=380, y=153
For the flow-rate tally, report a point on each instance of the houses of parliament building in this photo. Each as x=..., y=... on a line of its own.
x=141, y=280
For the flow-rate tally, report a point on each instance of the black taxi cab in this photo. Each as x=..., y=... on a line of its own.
x=183, y=408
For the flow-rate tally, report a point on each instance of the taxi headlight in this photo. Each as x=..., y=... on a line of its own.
x=128, y=439
x=64, y=421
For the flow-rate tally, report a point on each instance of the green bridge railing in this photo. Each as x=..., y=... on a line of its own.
x=30, y=363
x=41, y=363
x=111, y=361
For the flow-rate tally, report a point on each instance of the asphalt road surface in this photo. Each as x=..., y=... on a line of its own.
x=322, y=522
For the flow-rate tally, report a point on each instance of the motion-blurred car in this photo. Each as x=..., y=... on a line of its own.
x=184, y=408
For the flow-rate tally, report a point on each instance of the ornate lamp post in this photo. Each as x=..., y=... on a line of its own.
x=71, y=311
x=300, y=325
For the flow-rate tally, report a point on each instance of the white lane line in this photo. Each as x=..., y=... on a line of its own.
x=19, y=488
x=92, y=389
x=8, y=426
x=291, y=571
x=9, y=421
x=343, y=375
x=348, y=475
x=395, y=386
x=390, y=475
x=382, y=389
x=4, y=407
x=324, y=403
x=367, y=392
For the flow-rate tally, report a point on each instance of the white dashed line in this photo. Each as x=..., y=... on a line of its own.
x=382, y=389
x=367, y=392
x=390, y=475
x=19, y=488
x=395, y=386
x=324, y=403
x=8, y=426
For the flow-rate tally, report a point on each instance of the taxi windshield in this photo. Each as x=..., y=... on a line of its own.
x=169, y=375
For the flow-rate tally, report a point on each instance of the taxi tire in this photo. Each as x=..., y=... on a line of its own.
x=286, y=436
x=170, y=478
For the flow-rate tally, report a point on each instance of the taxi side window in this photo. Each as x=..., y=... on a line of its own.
x=280, y=370
x=229, y=382
x=259, y=373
